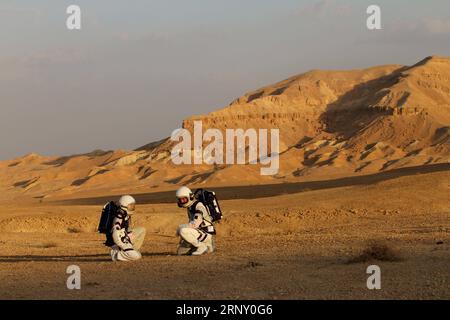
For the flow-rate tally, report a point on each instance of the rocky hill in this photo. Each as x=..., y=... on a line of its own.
x=332, y=124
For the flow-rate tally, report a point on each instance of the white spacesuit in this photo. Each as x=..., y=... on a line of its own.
x=197, y=236
x=127, y=241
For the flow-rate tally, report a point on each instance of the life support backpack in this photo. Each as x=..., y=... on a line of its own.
x=110, y=211
x=107, y=217
x=209, y=200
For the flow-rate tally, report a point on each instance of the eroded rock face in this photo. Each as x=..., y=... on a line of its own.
x=332, y=123
x=131, y=158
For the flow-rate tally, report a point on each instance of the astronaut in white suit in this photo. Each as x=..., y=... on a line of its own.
x=197, y=236
x=127, y=240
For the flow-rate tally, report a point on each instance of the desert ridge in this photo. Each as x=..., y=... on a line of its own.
x=331, y=124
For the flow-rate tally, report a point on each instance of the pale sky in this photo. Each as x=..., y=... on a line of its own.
x=137, y=68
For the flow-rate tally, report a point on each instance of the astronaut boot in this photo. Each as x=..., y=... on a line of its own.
x=114, y=252
x=184, y=248
x=205, y=246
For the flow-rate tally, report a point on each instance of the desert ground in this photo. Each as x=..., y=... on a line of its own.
x=291, y=243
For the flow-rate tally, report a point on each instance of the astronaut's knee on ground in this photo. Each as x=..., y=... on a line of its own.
x=181, y=226
x=188, y=232
x=138, y=234
x=139, y=231
x=131, y=255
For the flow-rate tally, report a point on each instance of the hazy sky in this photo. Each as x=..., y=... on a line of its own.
x=137, y=68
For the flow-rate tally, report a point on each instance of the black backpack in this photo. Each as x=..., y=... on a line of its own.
x=209, y=200
x=107, y=217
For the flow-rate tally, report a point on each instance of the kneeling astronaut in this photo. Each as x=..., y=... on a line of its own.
x=197, y=236
x=125, y=241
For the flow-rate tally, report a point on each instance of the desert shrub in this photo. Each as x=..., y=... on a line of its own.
x=48, y=245
x=376, y=250
x=73, y=230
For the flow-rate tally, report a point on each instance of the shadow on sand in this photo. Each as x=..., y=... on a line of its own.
x=67, y=258
x=270, y=190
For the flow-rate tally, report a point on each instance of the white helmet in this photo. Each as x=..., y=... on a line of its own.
x=185, y=197
x=127, y=203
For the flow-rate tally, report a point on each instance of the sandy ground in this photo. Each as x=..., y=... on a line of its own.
x=292, y=246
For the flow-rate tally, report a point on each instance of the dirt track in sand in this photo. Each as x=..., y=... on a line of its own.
x=293, y=246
